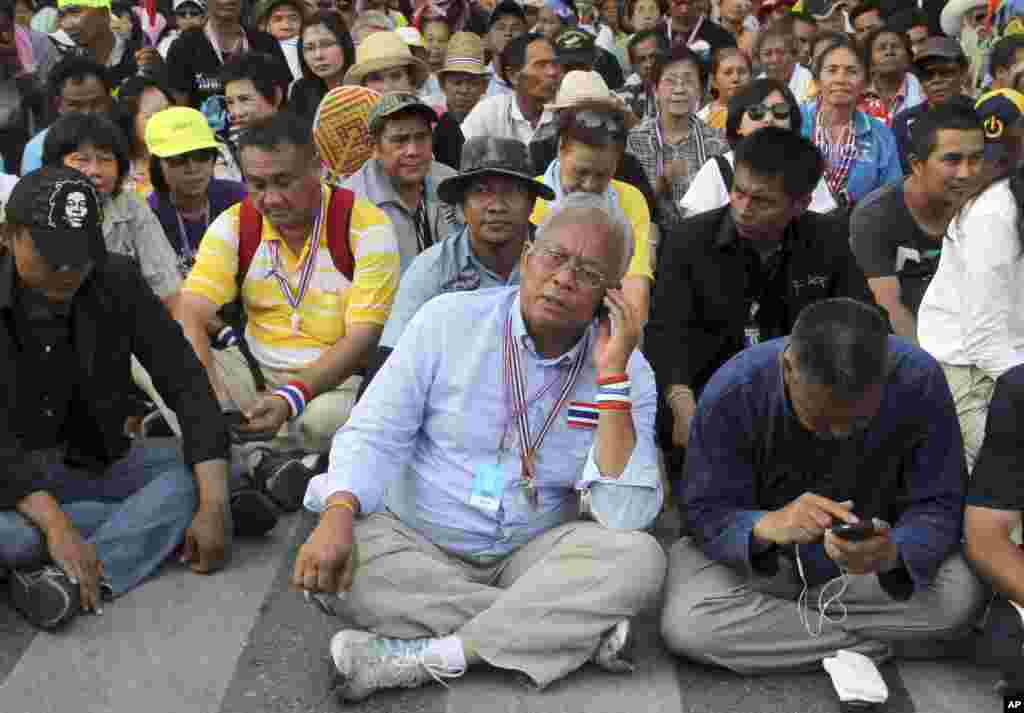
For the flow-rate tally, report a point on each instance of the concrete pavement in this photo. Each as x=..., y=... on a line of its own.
x=242, y=642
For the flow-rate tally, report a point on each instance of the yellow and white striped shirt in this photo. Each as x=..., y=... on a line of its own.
x=331, y=304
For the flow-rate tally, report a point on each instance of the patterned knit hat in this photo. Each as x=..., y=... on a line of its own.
x=341, y=130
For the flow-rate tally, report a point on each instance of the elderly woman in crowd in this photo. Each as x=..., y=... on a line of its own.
x=763, y=102
x=860, y=151
x=94, y=145
x=325, y=54
x=673, y=145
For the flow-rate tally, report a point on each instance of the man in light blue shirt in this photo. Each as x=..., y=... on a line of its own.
x=459, y=545
x=496, y=192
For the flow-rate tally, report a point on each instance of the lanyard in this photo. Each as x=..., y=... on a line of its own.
x=306, y=268
x=693, y=35
x=243, y=43
x=838, y=158
x=515, y=384
x=187, y=251
x=421, y=222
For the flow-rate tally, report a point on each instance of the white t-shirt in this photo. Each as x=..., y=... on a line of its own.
x=973, y=311
x=499, y=117
x=708, y=192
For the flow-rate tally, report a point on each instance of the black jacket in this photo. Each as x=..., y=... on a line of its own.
x=701, y=304
x=114, y=315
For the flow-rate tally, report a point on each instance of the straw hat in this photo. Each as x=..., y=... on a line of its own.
x=587, y=90
x=385, y=50
x=465, y=53
x=341, y=129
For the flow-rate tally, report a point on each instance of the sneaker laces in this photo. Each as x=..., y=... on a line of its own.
x=412, y=655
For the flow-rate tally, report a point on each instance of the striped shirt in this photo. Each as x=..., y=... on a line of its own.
x=332, y=302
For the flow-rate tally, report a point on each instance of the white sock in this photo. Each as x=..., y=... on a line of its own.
x=451, y=652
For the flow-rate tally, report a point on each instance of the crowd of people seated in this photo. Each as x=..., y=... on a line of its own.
x=490, y=287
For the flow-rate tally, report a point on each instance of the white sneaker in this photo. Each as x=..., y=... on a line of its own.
x=366, y=663
x=609, y=654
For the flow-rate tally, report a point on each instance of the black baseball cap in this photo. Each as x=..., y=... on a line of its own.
x=63, y=213
x=505, y=7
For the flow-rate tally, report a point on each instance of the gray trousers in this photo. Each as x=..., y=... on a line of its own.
x=542, y=610
x=715, y=615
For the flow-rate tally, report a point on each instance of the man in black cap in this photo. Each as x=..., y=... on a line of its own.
x=575, y=50
x=496, y=192
x=942, y=67
x=507, y=21
x=84, y=517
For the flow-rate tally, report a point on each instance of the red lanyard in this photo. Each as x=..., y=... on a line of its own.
x=838, y=156
x=515, y=385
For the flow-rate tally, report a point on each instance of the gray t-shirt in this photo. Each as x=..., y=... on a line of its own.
x=887, y=241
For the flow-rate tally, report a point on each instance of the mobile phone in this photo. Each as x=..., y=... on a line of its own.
x=235, y=419
x=601, y=311
x=854, y=532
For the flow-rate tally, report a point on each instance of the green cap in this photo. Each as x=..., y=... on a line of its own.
x=393, y=103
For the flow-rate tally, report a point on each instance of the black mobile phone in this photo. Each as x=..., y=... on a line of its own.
x=854, y=532
x=601, y=312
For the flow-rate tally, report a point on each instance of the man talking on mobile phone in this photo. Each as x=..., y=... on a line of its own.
x=840, y=423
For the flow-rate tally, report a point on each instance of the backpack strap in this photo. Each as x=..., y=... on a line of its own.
x=725, y=168
x=339, y=227
x=250, y=230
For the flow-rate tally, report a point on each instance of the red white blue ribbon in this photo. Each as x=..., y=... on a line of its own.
x=306, y=268
x=515, y=384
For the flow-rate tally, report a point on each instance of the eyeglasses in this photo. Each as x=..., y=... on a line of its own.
x=757, y=112
x=680, y=82
x=188, y=14
x=201, y=156
x=553, y=260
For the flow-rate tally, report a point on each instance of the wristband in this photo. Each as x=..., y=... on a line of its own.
x=614, y=396
x=612, y=379
x=226, y=337
x=614, y=405
x=294, y=397
x=341, y=504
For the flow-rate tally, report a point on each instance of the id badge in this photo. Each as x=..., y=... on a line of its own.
x=751, y=336
x=488, y=485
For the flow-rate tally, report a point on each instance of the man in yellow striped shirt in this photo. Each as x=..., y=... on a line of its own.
x=310, y=325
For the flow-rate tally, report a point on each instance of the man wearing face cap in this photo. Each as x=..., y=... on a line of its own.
x=85, y=515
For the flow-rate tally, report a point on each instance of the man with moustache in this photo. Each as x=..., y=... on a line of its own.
x=402, y=178
x=496, y=193
x=896, y=232
x=743, y=274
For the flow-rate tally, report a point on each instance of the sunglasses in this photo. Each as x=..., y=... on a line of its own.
x=203, y=156
x=759, y=111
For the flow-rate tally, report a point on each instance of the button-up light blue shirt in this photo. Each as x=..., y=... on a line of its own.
x=434, y=416
x=447, y=266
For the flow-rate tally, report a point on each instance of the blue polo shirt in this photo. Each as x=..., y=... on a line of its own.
x=748, y=454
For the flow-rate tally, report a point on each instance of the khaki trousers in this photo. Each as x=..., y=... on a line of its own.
x=315, y=428
x=542, y=610
x=972, y=391
x=714, y=614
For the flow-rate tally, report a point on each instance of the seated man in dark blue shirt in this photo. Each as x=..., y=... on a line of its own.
x=839, y=423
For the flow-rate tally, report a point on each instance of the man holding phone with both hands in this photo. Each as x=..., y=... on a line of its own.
x=803, y=448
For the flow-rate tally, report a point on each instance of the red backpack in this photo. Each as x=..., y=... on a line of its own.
x=339, y=221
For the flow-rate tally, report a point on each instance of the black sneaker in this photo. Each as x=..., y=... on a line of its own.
x=252, y=512
x=46, y=597
x=285, y=476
